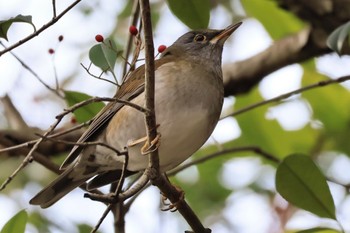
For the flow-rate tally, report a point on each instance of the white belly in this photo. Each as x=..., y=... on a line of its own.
x=186, y=118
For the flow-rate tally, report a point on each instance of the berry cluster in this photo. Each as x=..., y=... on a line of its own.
x=51, y=50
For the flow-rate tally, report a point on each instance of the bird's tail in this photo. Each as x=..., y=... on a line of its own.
x=63, y=184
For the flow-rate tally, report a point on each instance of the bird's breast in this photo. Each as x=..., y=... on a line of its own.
x=188, y=103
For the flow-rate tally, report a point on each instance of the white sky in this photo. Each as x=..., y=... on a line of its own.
x=243, y=207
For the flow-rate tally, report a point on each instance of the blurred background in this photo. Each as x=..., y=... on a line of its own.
x=230, y=193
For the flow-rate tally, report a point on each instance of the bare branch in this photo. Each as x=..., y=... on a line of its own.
x=54, y=8
x=241, y=76
x=40, y=30
x=87, y=69
x=13, y=116
x=135, y=19
x=17, y=138
x=84, y=144
x=55, y=91
x=161, y=181
x=323, y=17
x=205, y=158
x=150, y=117
x=289, y=94
x=29, y=156
x=100, y=99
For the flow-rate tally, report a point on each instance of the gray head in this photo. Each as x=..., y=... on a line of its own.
x=202, y=45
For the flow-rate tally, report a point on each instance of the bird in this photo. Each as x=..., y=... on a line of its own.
x=189, y=96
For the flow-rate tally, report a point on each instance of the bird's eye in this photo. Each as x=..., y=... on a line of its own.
x=199, y=38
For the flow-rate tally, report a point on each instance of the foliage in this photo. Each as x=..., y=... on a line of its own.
x=6, y=24
x=84, y=113
x=104, y=55
x=300, y=177
x=195, y=13
x=340, y=38
x=300, y=182
x=17, y=223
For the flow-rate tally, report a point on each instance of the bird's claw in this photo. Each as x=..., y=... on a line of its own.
x=172, y=206
x=153, y=146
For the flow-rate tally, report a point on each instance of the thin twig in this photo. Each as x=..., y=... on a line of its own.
x=152, y=171
x=84, y=144
x=289, y=94
x=55, y=91
x=60, y=133
x=54, y=8
x=29, y=156
x=135, y=19
x=104, y=215
x=87, y=69
x=100, y=99
x=150, y=117
x=13, y=116
x=115, y=195
x=40, y=30
x=203, y=159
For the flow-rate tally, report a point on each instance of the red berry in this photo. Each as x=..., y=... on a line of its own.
x=99, y=38
x=161, y=48
x=60, y=38
x=51, y=51
x=133, y=30
x=73, y=120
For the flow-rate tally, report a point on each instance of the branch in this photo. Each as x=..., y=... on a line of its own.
x=135, y=19
x=289, y=94
x=13, y=116
x=203, y=159
x=14, y=140
x=242, y=76
x=323, y=17
x=40, y=30
x=150, y=117
x=55, y=91
x=161, y=181
x=29, y=156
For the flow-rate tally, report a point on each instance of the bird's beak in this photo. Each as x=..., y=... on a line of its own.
x=224, y=34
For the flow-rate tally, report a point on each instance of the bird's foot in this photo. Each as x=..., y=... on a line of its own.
x=154, y=145
x=172, y=206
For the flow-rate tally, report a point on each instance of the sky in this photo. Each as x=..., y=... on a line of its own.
x=243, y=207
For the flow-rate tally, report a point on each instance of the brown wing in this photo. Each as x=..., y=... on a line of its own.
x=131, y=88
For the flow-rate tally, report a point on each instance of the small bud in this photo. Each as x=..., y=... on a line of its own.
x=60, y=38
x=99, y=38
x=51, y=51
x=161, y=48
x=133, y=30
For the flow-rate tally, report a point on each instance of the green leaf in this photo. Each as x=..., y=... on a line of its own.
x=277, y=21
x=319, y=230
x=104, y=55
x=336, y=40
x=266, y=133
x=327, y=102
x=6, y=24
x=194, y=13
x=16, y=224
x=86, y=112
x=84, y=228
x=40, y=222
x=126, y=12
x=301, y=183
